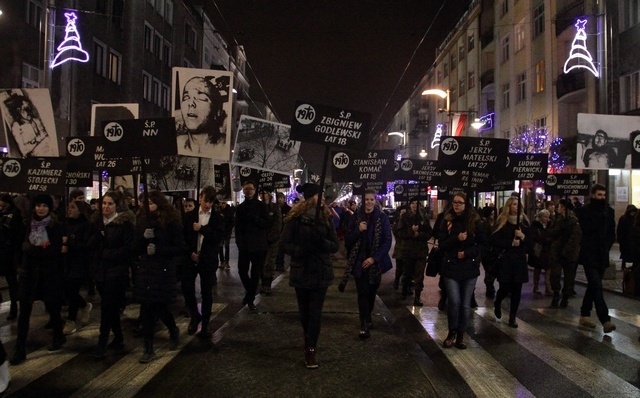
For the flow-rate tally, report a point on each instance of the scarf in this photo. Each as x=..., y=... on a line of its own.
x=374, y=269
x=38, y=233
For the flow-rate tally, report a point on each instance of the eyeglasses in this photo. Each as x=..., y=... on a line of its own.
x=458, y=203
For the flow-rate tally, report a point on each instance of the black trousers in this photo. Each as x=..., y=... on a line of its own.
x=366, y=296
x=72, y=289
x=52, y=307
x=223, y=252
x=310, y=302
x=515, y=288
x=594, y=295
x=152, y=311
x=112, y=293
x=188, y=284
x=250, y=266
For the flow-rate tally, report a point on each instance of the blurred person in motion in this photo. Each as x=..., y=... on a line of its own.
x=273, y=240
x=623, y=230
x=310, y=243
x=539, y=257
x=565, y=235
x=13, y=228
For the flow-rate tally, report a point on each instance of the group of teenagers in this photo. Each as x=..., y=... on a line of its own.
x=158, y=247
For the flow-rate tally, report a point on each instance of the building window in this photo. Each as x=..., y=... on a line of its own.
x=30, y=76
x=505, y=49
x=160, y=7
x=35, y=14
x=155, y=92
x=115, y=66
x=148, y=36
x=504, y=8
x=445, y=69
x=540, y=76
x=540, y=123
x=168, y=12
x=439, y=77
x=146, y=86
x=461, y=52
x=471, y=80
x=158, y=41
x=630, y=91
x=522, y=87
x=471, y=42
x=453, y=93
x=166, y=53
x=189, y=36
x=165, y=97
x=519, y=33
x=452, y=59
x=462, y=86
x=99, y=58
x=505, y=96
x=538, y=20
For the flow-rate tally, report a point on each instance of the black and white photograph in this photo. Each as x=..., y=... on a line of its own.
x=179, y=173
x=265, y=145
x=29, y=126
x=202, y=105
x=101, y=113
x=603, y=141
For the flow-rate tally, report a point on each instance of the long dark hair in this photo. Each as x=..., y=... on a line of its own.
x=166, y=213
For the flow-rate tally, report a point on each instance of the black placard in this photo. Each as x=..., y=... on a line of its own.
x=469, y=162
x=79, y=178
x=34, y=175
x=337, y=127
x=347, y=166
x=405, y=192
x=379, y=186
x=265, y=179
x=140, y=137
x=567, y=184
x=422, y=170
x=527, y=166
x=447, y=193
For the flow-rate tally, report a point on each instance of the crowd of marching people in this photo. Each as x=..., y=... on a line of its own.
x=154, y=250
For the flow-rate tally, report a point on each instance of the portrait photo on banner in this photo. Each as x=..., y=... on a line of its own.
x=27, y=117
x=265, y=145
x=202, y=105
x=603, y=141
x=178, y=173
x=101, y=113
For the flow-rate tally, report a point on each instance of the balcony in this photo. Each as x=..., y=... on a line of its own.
x=486, y=39
x=570, y=82
x=487, y=78
x=567, y=16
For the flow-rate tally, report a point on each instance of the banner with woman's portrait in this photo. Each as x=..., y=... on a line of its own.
x=202, y=105
x=29, y=127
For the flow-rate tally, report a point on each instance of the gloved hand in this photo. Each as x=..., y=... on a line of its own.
x=341, y=286
x=151, y=249
x=148, y=233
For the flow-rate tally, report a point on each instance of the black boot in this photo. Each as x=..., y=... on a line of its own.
x=555, y=300
x=101, y=349
x=406, y=288
x=174, y=338
x=19, y=355
x=565, y=301
x=364, y=330
x=442, y=303
x=13, y=311
x=416, y=299
x=148, y=355
x=474, y=303
x=497, y=309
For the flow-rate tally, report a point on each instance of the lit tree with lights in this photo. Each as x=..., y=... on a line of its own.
x=530, y=141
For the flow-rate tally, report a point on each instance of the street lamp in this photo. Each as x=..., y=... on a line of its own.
x=423, y=153
x=402, y=134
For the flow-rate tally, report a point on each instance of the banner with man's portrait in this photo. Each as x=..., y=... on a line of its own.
x=603, y=141
x=29, y=127
x=202, y=104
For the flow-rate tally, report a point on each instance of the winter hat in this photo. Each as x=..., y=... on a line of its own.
x=44, y=199
x=308, y=190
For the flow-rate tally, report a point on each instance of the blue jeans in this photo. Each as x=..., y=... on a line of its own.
x=459, y=294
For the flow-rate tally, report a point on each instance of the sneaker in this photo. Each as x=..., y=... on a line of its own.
x=608, y=327
x=587, y=322
x=5, y=377
x=147, y=357
x=227, y=266
x=69, y=328
x=85, y=314
x=116, y=344
x=310, y=358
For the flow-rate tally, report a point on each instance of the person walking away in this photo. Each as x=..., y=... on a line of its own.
x=368, y=239
x=565, y=234
x=461, y=238
x=598, y=234
x=397, y=248
x=252, y=226
x=12, y=224
x=203, y=232
x=228, y=215
x=510, y=238
x=623, y=230
x=415, y=231
x=77, y=263
x=40, y=278
x=273, y=240
x=281, y=201
x=5, y=376
x=112, y=243
x=160, y=247
x=310, y=243
x=539, y=257
x=488, y=223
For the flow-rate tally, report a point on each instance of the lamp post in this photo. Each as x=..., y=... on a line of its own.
x=402, y=134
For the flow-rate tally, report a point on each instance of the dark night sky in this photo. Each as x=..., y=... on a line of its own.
x=341, y=53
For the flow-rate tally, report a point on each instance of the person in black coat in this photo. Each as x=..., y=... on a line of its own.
x=77, y=262
x=625, y=223
x=461, y=238
x=598, y=234
x=203, y=231
x=252, y=227
x=310, y=243
x=40, y=278
x=112, y=243
x=160, y=247
x=12, y=223
x=510, y=238
x=228, y=214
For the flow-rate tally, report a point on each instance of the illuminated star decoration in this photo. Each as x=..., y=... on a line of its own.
x=579, y=56
x=436, y=136
x=70, y=49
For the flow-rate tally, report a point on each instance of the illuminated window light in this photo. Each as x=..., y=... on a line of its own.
x=70, y=49
x=579, y=56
